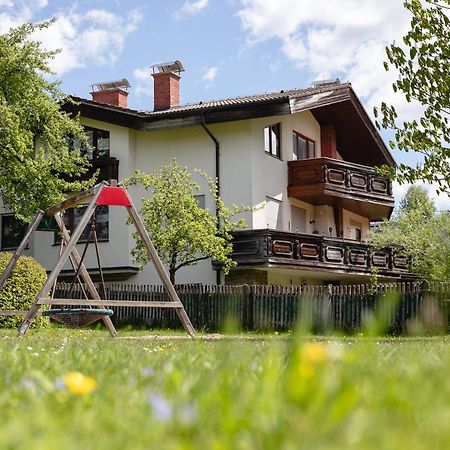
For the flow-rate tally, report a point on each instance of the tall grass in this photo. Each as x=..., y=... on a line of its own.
x=267, y=392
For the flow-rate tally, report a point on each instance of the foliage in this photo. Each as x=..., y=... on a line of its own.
x=35, y=153
x=20, y=289
x=250, y=392
x=423, y=65
x=421, y=234
x=183, y=232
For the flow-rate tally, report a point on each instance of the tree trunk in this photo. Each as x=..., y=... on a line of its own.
x=172, y=271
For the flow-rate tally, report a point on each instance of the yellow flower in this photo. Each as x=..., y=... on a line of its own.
x=306, y=370
x=78, y=384
x=314, y=352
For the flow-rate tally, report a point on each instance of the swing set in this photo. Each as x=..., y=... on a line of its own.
x=82, y=312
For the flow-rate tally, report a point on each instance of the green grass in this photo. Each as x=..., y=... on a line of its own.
x=268, y=392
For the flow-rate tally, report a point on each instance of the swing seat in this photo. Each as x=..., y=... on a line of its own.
x=77, y=317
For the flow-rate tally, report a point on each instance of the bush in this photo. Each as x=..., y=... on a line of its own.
x=20, y=289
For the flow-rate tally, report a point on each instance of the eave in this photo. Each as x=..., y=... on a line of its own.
x=357, y=138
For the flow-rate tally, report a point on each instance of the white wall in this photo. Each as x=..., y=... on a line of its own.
x=348, y=218
x=247, y=175
x=270, y=174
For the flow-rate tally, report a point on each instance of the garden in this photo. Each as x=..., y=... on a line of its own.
x=62, y=388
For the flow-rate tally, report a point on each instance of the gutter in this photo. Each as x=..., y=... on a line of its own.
x=217, y=164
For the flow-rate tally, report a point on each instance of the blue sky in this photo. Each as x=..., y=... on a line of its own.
x=228, y=47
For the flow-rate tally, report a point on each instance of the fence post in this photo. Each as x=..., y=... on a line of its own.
x=247, y=307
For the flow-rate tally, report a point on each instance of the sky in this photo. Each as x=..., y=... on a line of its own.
x=228, y=47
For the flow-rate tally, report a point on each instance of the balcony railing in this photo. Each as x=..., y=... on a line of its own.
x=108, y=168
x=271, y=248
x=340, y=183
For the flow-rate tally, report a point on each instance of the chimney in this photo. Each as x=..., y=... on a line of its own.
x=166, y=84
x=112, y=93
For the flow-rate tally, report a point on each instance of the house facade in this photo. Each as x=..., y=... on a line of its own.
x=304, y=159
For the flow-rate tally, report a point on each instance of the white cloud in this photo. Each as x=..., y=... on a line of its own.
x=143, y=84
x=191, y=8
x=93, y=37
x=18, y=12
x=96, y=37
x=334, y=38
x=210, y=75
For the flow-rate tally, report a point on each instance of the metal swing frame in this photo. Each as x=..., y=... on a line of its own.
x=105, y=193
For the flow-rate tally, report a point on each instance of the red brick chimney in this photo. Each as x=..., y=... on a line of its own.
x=111, y=93
x=328, y=141
x=166, y=84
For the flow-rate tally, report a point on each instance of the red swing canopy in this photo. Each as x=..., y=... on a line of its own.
x=114, y=196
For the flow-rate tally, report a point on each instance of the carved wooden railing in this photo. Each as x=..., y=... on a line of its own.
x=339, y=175
x=257, y=247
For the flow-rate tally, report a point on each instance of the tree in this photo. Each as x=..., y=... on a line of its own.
x=36, y=158
x=423, y=64
x=422, y=234
x=183, y=232
x=417, y=199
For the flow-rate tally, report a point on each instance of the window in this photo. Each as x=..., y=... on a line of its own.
x=303, y=147
x=274, y=213
x=355, y=230
x=272, y=140
x=98, y=141
x=13, y=231
x=73, y=216
x=200, y=200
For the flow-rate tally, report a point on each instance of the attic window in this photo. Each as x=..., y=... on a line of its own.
x=272, y=140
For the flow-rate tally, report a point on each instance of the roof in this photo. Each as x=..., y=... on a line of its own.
x=329, y=102
x=312, y=94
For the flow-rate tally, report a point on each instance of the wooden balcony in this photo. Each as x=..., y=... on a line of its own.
x=271, y=248
x=354, y=187
x=108, y=169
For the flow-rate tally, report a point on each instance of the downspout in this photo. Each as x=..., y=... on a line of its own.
x=217, y=145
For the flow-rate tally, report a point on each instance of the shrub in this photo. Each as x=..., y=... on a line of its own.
x=20, y=289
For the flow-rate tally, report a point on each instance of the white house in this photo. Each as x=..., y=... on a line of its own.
x=305, y=158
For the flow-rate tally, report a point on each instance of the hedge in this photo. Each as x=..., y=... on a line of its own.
x=20, y=289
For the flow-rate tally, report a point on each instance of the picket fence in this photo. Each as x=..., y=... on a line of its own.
x=404, y=307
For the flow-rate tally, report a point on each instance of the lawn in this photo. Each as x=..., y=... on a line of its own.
x=252, y=392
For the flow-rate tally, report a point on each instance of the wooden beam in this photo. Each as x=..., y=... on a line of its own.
x=84, y=274
x=81, y=198
x=10, y=312
x=105, y=303
x=20, y=249
x=164, y=277
x=60, y=263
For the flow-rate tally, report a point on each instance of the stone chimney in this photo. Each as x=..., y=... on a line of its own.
x=166, y=84
x=112, y=93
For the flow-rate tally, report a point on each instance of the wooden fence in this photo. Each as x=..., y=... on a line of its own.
x=405, y=307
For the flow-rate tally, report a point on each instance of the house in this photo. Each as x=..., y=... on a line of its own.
x=304, y=158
